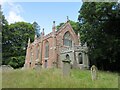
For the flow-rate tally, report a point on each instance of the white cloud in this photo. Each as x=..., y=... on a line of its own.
x=14, y=12
x=14, y=17
x=1, y=2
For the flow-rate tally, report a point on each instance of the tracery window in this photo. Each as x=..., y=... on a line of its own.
x=67, y=39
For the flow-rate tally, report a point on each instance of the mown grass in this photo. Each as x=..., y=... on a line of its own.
x=53, y=78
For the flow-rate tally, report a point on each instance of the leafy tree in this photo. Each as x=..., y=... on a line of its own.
x=0, y=36
x=100, y=25
x=15, y=38
x=5, y=45
x=58, y=26
x=36, y=28
x=75, y=26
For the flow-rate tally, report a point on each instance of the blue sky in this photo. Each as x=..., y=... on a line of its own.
x=44, y=13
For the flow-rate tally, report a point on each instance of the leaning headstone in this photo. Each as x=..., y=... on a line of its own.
x=94, y=72
x=66, y=67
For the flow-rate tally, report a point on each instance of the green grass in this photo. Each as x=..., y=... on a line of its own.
x=53, y=78
x=0, y=78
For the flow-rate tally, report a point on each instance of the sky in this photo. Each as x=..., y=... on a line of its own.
x=44, y=13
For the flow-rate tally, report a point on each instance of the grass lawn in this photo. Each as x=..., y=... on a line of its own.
x=52, y=78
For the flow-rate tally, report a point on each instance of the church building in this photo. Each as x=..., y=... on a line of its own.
x=49, y=50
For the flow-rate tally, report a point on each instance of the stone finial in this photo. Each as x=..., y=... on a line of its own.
x=35, y=37
x=53, y=24
x=43, y=32
x=28, y=42
x=78, y=35
x=85, y=44
x=53, y=28
x=67, y=19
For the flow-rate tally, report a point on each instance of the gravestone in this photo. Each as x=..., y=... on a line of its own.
x=38, y=66
x=94, y=72
x=66, y=67
x=6, y=67
x=54, y=64
x=75, y=65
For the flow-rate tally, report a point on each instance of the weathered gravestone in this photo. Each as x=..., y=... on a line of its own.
x=54, y=64
x=94, y=72
x=38, y=66
x=66, y=67
x=6, y=67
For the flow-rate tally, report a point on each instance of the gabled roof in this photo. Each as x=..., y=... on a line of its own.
x=64, y=25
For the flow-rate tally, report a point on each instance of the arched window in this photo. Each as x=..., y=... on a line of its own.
x=67, y=39
x=47, y=49
x=67, y=57
x=80, y=58
x=37, y=53
x=31, y=55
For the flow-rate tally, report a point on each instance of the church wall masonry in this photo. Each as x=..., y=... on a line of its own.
x=49, y=50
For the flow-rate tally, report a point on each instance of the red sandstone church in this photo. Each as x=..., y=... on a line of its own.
x=49, y=50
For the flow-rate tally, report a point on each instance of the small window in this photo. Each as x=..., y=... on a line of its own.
x=80, y=58
x=67, y=57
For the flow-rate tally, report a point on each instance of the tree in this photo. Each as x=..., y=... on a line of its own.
x=1, y=35
x=5, y=45
x=36, y=28
x=58, y=26
x=75, y=26
x=100, y=25
x=15, y=39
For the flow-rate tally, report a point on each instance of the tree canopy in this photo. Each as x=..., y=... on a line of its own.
x=75, y=26
x=100, y=28
x=36, y=28
x=14, y=42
